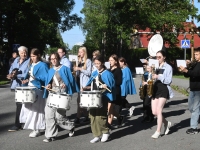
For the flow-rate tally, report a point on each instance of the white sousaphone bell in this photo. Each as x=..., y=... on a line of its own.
x=155, y=44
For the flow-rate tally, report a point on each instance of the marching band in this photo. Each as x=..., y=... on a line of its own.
x=43, y=94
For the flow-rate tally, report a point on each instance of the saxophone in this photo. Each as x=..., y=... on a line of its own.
x=142, y=90
x=151, y=82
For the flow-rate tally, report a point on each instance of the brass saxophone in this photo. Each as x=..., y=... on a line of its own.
x=151, y=82
x=142, y=90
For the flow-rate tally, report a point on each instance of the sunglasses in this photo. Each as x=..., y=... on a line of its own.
x=158, y=57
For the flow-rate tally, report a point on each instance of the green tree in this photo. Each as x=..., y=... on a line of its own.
x=35, y=23
x=112, y=21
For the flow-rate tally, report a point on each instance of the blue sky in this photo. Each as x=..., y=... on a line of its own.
x=76, y=35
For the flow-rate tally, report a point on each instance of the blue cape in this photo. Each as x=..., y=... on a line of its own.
x=39, y=73
x=67, y=78
x=108, y=78
x=128, y=85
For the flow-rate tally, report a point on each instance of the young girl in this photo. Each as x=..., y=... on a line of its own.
x=147, y=116
x=83, y=72
x=161, y=92
x=98, y=116
x=115, y=107
x=32, y=114
x=127, y=86
x=61, y=75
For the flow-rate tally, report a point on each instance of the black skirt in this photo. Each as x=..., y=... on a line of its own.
x=160, y=90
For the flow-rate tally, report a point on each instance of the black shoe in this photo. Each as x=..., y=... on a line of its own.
x=14, y=128
x=192, y=131
x=150, y=119
x=110, y=127
x=120, y=121
x=77, y=121
x=86, y=120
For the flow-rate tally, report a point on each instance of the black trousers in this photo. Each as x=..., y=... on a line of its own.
x=147, y=108
x=18, y=110
x=125, y=103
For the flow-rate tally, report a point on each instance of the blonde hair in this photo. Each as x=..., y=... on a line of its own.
x=85, y=56
x=96, y=53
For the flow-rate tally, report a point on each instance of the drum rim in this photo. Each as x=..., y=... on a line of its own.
x=91, y=92
x=24, y=88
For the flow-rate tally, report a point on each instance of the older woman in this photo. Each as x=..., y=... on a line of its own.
x=17, y=72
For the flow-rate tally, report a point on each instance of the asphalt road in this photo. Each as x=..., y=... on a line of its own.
x=132, y=135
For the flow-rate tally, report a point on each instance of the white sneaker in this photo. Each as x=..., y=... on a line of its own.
x=131, y=111
x=71, y=132
x=156, y=135
x=95, y=140
x=167, y=127
x=105, y=137
x=34, y=133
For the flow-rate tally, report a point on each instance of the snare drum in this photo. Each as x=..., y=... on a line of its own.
x=91, y=99
x=59, y=100
x=25, y=94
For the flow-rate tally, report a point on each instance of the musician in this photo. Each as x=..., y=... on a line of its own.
x=193, y=72
x=147, y=116
x=161, y=92
x=32, y=114
x=83, y=72
x=94, y=55
x=63, y=58
x=98, y=116
x=127, y=86
x=115, y=107
x=17, y=72
x=59, y=79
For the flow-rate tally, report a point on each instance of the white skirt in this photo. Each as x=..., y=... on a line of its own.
x=32, y=114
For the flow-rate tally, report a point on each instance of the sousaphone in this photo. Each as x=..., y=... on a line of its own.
x=155, y=44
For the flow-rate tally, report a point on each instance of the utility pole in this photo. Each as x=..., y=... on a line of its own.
x=192, y=30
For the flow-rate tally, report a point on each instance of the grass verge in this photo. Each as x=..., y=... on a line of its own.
x=180, y=90
x=3, y=80
x=180, y=77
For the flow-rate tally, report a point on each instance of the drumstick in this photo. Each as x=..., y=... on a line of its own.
x=44, y=86
x=49, y=89
x=102, y=83
x=106, y=87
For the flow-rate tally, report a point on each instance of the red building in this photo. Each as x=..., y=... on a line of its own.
x=145, y=37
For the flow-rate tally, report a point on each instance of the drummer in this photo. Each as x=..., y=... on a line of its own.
x=98, y=117
x=20, y=64
x=61, y=80
x=32, y=114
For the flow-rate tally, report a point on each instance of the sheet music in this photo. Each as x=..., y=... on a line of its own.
x=107, y=64
x=143, y=60
x=181, y=63
x=73, y=58
x=153, y=61
x=139, y=70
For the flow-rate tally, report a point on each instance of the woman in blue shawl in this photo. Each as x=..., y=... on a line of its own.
x=98, y=116
x=59, y=78
x=127, y=86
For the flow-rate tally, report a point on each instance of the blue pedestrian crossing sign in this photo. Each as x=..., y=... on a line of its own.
x=185, y=43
